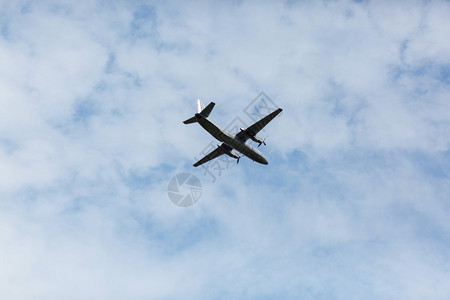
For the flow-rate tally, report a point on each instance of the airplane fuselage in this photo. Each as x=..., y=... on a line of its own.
x=230, y=140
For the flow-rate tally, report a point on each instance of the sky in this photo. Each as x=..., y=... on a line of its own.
x=353, y=203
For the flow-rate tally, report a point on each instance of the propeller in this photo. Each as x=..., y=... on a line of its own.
x=263, y=142
x=238, y=160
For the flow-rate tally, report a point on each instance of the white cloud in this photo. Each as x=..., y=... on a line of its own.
x=93, y=96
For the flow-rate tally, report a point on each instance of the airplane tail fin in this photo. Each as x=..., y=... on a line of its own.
x=200, y=106
x=202, y=110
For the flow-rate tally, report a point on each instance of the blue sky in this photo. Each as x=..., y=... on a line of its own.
x=354, y=201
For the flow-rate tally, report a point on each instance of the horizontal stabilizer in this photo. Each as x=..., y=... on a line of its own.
x=191, y=120
x=207, y=110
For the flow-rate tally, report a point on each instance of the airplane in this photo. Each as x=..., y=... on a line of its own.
x=231, y=142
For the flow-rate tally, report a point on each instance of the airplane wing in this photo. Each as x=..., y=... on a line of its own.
x=256, y=127
x=211, y=155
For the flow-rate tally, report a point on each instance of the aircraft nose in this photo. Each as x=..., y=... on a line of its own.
x=264, y=160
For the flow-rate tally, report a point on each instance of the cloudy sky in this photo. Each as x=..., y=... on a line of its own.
x=354, y=203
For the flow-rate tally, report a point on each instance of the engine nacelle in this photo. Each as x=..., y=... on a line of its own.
x=229, y=153
x=254, y=137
